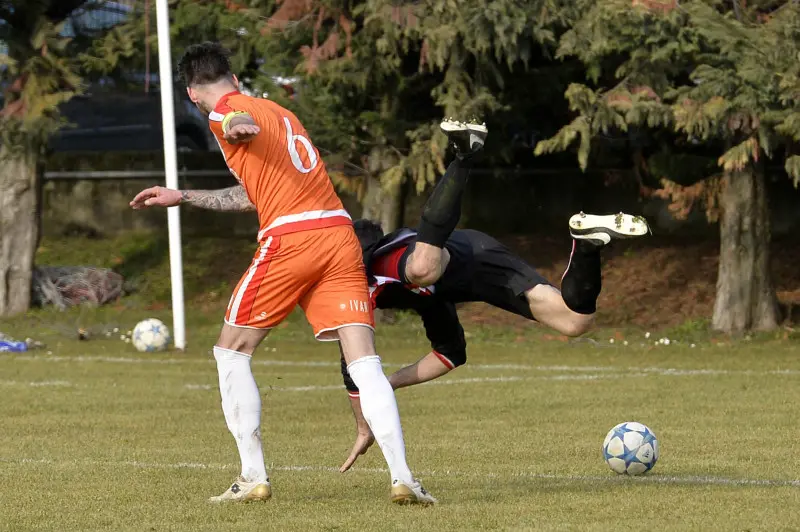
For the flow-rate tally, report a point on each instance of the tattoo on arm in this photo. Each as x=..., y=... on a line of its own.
x=232, y=199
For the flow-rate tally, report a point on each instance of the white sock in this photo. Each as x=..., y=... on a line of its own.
x=380, y=410
x=241, y=404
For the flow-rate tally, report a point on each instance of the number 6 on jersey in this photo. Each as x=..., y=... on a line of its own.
x=291, y=141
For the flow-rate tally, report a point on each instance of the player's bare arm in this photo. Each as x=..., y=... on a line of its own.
x=241, y=128
x=425, y=369
x=231, y=199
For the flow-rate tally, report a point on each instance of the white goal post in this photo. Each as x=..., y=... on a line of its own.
x=171, y=172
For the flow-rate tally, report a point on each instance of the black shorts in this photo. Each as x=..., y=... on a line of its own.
x=483, y=269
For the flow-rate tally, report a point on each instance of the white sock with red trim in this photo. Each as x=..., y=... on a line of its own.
x=379, y=407
x=241, y=404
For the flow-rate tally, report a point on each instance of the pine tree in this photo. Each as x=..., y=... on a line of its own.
x=38, y=73
x=713, y=74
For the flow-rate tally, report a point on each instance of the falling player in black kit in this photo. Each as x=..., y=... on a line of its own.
x=430, y=269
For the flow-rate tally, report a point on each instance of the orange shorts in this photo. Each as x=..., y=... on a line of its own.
x=321, y=270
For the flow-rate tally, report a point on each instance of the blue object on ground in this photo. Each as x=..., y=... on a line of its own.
x=9, y=346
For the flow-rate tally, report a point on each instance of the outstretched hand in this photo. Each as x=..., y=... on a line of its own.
x=156, y=197
x=239, y=133
x=363, y=442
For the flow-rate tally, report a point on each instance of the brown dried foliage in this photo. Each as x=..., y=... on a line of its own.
x=705, y=193
x=15, y=106
x=663, y=6
x=295, y=11
x=289, y=11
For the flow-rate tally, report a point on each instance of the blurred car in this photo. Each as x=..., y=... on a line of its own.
x=107, y=117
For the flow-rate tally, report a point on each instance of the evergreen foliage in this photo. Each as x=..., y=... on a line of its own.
x=720, y=74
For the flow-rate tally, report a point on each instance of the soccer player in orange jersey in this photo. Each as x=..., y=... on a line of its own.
x=308, y=255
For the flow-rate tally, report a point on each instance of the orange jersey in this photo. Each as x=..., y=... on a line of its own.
x=280, y=168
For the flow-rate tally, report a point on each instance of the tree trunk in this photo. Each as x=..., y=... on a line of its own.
x=381, y=203
x=19, y=225
x=384, y=205
x=746, y=298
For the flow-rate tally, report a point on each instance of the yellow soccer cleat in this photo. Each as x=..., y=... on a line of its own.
x=412, y=493
x=243, y=491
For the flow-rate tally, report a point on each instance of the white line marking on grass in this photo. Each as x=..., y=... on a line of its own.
x=256, y=361
x=200, y=387
x=475, y=367
x=93, y=359
x=36, y=384
x=473, y=380
x=444, y=382
x=657, y=479
x=615, y=479
x=327, y=387
x=575, y=368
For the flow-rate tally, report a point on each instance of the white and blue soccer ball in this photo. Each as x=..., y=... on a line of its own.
x=630, y=448
x=150, y=335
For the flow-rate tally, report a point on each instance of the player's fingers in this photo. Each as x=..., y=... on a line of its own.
x=154, y=201
x=350, y=461
x=245, y=130
x=142, y=196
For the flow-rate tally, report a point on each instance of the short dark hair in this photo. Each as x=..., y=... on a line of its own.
x=368, y=233
x=204, y=63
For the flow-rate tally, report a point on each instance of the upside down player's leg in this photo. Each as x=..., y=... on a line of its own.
x=581, y=282
x=442, y=211
x=572, y=310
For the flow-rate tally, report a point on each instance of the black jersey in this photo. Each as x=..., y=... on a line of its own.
x=480, y=269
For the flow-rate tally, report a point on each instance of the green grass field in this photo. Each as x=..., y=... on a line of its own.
x=95, y=436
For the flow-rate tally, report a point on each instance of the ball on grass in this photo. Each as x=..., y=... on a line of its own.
x=630, y=448
x=150, y=335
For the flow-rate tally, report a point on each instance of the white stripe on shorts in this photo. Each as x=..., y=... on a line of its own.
x=236, y=300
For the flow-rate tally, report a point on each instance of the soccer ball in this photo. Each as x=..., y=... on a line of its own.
x=630, y=448
x=150, y=335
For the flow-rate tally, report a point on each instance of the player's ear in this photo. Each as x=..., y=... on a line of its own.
x=192, y=94
x=235, y=81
